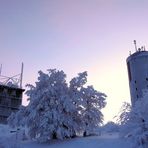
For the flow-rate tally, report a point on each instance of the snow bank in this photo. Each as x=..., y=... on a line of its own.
x=10, y=138
x=105, y=140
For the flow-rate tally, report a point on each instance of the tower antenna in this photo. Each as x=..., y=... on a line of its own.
x=21, y=77
x=135, y=45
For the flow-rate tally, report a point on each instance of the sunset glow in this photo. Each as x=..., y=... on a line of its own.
x=74, y=36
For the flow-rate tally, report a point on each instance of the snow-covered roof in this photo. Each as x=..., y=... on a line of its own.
x=11, y=87
x=137, y=54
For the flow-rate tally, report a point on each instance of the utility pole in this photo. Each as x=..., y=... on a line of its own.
x=21, y=77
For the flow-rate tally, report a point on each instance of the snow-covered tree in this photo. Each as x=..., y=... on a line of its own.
x=137, y=126
x=122, y=119
x=89, y=103
x=17, y=119
x=110, y=127
x=76, y=97
x=124, y=114
x=93, y=102
x=58, y=110
x=48, y=107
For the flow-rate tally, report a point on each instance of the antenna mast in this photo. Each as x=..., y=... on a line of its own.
x=21, y=77
x=144, y=48
x=135, y=45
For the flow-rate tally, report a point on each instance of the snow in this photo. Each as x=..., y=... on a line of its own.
x=105, y=140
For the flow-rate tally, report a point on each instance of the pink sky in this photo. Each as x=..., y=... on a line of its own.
x=74, y=36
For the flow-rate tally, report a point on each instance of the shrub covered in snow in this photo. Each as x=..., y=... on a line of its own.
x=136, y=127
x=10, y=137
x=124, y=114
x=110, y=127
x=58, y=110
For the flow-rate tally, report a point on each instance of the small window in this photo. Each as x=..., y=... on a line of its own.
x=146, y=79
x=13, y=93
x=1, y=90
x=9, y=92
x=5, y=90
x=135, y=81
x=18, y=94
x=137, y=96
x=136, y=88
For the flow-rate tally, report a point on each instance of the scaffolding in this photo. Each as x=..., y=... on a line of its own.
x=10, y=94
x=15, y=81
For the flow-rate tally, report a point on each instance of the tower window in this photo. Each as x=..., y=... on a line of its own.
x=136, y=88
x=146, y=79
x=135, y=81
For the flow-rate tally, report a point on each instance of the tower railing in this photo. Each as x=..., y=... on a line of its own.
x=13, y=81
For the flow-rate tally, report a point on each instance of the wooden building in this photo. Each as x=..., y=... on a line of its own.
x=10, y=100
x=11, y=93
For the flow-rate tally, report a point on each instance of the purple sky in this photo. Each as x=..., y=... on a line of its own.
x=74, y=36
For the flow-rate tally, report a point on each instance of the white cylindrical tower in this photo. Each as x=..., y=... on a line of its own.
x=137, y=65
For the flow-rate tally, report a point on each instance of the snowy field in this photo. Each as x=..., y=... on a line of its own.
x=8, y=140
x=104, y=141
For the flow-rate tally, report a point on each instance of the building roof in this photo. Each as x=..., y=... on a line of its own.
x=11, y=87
x=137, y=54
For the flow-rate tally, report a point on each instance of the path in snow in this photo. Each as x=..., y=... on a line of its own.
x=104, y=141
x=8, y=140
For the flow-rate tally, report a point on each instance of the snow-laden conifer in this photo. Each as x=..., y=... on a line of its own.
x=93, y=102
x=57, y=110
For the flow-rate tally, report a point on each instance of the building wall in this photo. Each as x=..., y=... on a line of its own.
x=137, y=65
x=10, y=100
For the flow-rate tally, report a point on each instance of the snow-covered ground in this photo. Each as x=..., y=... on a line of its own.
x=104, y=141
x=8, y=140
